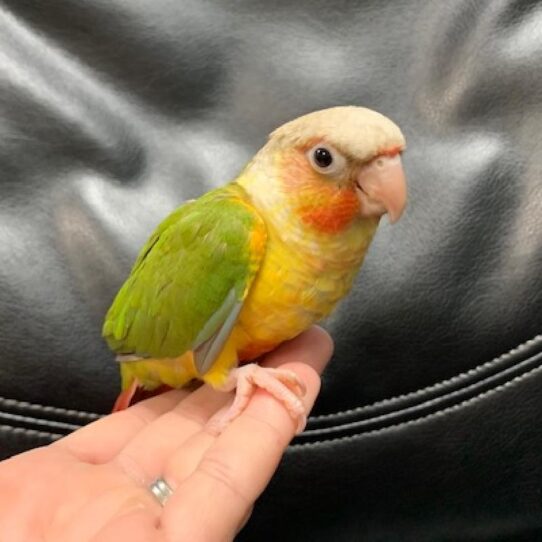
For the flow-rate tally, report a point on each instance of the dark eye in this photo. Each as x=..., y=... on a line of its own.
x=326, y=160
x=322, y=157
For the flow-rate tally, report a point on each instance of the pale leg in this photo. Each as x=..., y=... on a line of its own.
x=282, y=384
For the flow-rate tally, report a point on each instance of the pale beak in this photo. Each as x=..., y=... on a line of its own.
x=381, y=187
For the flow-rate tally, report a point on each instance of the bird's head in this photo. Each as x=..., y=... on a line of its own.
x=332, y=168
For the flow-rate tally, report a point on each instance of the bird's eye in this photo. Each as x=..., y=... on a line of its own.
x=326, y=160
x=323, y=157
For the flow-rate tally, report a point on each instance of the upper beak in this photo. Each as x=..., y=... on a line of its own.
x=381, y=187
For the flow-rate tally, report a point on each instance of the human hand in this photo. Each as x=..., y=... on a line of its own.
x=93, y=485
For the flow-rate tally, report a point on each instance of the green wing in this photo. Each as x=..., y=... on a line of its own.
x=188, y=283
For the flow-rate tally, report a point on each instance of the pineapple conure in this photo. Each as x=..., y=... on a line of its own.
x=229, y=276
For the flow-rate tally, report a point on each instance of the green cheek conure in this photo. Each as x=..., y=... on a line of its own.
x=231, y=275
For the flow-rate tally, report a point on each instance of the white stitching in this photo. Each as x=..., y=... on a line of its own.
x=8, y=416
x=30, y=432
x=51, y=409
x=382, y=402
x=417, y=421
x=433, y=387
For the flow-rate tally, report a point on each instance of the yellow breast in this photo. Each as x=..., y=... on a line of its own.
x=301, y=279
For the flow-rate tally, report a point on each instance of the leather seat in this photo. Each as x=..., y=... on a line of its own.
x=115, y=112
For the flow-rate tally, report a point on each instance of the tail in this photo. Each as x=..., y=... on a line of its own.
x=124, y=399
x=135, y=393
x=146, y=378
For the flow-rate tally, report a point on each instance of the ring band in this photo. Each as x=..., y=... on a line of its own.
x=161, y=490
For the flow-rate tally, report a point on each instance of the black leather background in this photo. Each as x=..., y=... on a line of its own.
x=113, y=112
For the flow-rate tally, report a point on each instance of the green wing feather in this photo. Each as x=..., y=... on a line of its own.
x=189, y=280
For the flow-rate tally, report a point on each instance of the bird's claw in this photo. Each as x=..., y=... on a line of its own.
x=282, y=384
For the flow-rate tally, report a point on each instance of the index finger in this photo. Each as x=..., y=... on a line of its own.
x=236, y=468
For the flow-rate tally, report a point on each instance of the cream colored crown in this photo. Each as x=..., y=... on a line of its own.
x=357, y=132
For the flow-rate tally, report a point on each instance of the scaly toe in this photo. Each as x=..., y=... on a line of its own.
x=291, y=380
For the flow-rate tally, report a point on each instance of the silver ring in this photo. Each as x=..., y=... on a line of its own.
x=161, y=490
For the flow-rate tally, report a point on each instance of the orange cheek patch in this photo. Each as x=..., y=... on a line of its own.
x=321, y=203
x=331, y=215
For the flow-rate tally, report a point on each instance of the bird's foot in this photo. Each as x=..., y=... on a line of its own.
x=283, y=385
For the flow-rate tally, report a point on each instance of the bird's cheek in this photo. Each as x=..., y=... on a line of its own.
x=329, y=210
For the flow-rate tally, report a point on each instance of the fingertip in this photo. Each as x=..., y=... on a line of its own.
x=320, y=339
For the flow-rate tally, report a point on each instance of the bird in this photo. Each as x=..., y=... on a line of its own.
x=229, y=276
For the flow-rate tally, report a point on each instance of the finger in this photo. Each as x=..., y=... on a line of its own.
x=176, y=437
x=185, y=460
x=236, y=467
x=145, y=455
x=102, y=440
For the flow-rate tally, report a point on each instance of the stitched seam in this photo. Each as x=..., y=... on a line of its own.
x=467, y=402
x=50, y=409
x=30, y=432
x=431, y=404
x=8, y=416
x=434, y=387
